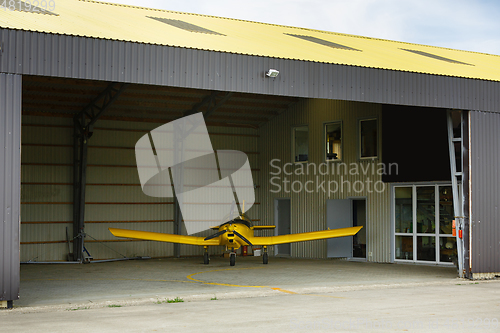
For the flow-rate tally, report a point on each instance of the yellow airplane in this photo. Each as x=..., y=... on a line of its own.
x=234, y=234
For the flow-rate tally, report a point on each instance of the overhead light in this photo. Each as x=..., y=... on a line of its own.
x=272, y=73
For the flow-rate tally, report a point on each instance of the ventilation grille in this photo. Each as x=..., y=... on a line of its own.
x=29, y=7
x=323, y=42
x=433, y=56
x=185, y=26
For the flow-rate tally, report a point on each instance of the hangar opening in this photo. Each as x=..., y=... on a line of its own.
x=354, y=140
x=352, y=134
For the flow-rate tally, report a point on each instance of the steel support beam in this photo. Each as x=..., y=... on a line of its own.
x=83, y=129
x=177, y=227
x=206, y=101
x=211, y=104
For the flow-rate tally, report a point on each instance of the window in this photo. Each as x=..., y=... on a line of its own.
x=423, y=217
x=333, y=141
x=300, y=143
x=368, y=138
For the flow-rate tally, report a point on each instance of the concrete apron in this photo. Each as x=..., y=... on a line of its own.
x=135, y=282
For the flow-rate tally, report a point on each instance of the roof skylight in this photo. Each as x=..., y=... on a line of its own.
x=323, y=42
x=433, y=56
x=185, y=26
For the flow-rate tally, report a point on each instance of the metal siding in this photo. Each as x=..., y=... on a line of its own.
x=10, y=184
x=485, y=145
x=308, y=209
x=67, y=56
x=44, y=196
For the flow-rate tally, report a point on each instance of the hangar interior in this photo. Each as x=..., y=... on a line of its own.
x=297, y=132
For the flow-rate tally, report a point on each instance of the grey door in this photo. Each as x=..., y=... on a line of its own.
x=282, y=217
x=338, y=215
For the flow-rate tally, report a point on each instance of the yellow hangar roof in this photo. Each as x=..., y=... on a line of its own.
x=151, y=26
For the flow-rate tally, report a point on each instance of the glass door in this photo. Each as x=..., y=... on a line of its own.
x=423, y=216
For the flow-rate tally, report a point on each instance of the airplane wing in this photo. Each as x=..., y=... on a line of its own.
x=262, y=227
x=305, y=236
x=161, y=237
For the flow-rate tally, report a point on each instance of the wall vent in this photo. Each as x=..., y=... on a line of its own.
x=433, y=56
x=185, y=26
x=323, y=42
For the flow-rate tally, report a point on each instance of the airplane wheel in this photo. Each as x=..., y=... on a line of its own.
x=232, y=259
x=206, y=259
x=265, y=258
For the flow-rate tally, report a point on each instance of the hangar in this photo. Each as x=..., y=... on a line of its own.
x=397, y=137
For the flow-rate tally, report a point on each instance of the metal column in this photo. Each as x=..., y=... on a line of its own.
x=81, y=137
x=177, y=227
x=457, y=178
x=10, y=185
x=83, y=129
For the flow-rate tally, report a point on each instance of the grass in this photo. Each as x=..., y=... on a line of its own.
x=214, y=298
x=114, y=306
x=175, y=300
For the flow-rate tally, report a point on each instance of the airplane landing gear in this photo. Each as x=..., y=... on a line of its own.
x=265, y=256
x=206, y=258
x=232, y=258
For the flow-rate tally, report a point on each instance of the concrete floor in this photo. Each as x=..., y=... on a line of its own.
x=285, y=295
x=124, y=282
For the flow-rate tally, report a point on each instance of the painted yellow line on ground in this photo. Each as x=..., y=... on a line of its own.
x=190, y=277
x=192, y=280
x=285, y=291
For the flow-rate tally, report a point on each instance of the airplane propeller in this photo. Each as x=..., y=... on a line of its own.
x=217, y=234
x=222, y=232
x=241, y=236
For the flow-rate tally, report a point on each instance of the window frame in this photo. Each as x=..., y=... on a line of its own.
x=293, y=128
x=325, y=124
x=414, y=234
x=368, y=158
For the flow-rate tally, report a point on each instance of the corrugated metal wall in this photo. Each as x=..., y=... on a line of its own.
x=10, y=158
x=308, y=209
x=33, y=53
x=485, y=196
x=113, y=198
